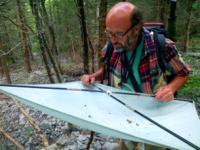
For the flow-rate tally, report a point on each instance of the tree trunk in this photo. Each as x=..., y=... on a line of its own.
x=53, y=48
x=50, y=28
x=7, y=40
x=6, y=70
x=73, y=55
x=83, y=35
x=161, y=11
x=56, y=69
x=92, y=53
x=158, y=10
x=5, y=56
x=102, y=26
x=24, y=36
x=1, y=67
x=34, y=7
x=51, y=10
x=172, y=21
x=3, y=64
x=30, y=48
x=188, y=24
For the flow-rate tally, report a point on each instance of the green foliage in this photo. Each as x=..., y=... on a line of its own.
x=194, y=43
x=28, y=132
x=192, y=88
x=35, y=46
x=196, y=6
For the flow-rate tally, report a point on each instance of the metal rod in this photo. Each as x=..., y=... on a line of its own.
x=149, y=95
x=86, y=90
x=51, y=88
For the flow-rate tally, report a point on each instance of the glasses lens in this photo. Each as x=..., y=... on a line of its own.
x=116, y=35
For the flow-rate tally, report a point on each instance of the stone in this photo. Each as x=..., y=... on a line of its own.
x=110, y=146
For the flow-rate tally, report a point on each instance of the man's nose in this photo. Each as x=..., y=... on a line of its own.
x=114, y=39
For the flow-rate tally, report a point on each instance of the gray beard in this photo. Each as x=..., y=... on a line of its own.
x=129, y=46
x=119, y=50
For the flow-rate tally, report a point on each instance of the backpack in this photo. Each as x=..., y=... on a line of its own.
x=159, y=35
x=160, y=40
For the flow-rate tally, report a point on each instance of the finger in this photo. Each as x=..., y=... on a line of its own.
x=92, y=80
x=159, y=94
x=166, y=97
x=85, y=79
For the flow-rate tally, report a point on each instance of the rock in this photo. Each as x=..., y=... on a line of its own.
x=70, y=147
x=29, y=145
x=51, y=147
x=63, y=141
x=110, y=146
x=22, y=120
x=80, y=146
x=97, y=145
x=82, y=138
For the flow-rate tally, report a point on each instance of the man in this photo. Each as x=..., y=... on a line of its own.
x=134, y=46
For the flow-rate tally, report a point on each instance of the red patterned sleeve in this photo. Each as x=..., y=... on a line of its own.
x=175, y=61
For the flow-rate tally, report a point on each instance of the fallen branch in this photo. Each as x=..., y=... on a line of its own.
x=3, y=53
x=11, y=139
x=33, y=123
x=90, y=140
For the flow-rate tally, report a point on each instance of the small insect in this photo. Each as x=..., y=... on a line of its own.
x=137, y=124
x=129, y=121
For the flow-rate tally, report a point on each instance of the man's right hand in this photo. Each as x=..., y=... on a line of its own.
x=87, y=79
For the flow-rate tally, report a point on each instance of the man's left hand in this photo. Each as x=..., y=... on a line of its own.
x=164, y=94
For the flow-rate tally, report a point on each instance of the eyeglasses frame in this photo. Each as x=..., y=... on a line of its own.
x=119, y=36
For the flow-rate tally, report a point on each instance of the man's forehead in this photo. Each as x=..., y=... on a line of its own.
x=118, y=19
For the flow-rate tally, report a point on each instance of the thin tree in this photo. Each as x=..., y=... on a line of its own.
x=172, y=21
x=52, y=35
x=3, y=62
x=188, y=24
x=162, y=11
x=5, y=53
x=91, y=52
x=24, y=36
x=56, y=65
x=41, y=37
x=81, y=15
x=102, y=26
x=36, y=6
x=5, y=69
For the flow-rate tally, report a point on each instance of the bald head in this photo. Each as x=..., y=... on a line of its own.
x=123, y=25
x=124, y=13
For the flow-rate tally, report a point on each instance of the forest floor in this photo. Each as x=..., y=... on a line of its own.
x=59, y=134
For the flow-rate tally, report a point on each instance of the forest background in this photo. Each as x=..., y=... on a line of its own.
x=47, y=32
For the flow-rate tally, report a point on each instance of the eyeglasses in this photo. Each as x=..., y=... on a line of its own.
x=118, y=34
